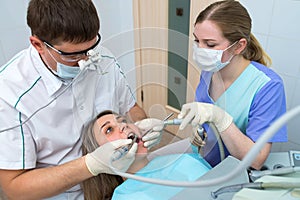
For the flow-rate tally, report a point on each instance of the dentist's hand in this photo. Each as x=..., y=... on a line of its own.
x=155, y=126
x=199, y=113
x=99, y=161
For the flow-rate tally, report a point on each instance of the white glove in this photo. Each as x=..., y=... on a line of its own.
x=155, y=126
x=199, y=113
x=99, y=161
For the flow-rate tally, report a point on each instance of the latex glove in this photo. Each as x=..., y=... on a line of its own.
x=199, y=113
x=155, y=126
x=99, y=161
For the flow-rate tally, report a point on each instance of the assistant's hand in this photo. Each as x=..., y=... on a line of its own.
x=155, y=126
x=199, y=113
x=99, y=161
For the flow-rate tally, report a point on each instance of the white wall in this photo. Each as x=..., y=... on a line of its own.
x=116, y=27
x=116, y=20
x=14, y=34
x=276, y=26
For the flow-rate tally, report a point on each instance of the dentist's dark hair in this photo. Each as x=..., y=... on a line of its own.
x=56, y=21
x=102, y=186
x=235, y=23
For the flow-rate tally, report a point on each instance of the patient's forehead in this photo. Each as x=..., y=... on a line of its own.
x=108, y=117
x=113, y=118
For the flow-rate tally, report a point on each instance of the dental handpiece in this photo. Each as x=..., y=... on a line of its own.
x=200, y=129
x=173, y=122
x=164, y=120
x=120, y=152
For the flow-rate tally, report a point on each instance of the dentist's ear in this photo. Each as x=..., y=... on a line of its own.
x=37, y=44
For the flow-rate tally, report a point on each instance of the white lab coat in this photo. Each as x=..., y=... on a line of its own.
x=52, y=136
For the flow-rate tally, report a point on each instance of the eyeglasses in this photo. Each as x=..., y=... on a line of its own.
x=73, y=56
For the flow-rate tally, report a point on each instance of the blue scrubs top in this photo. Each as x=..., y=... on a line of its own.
x=255, y=100
x=177, y=167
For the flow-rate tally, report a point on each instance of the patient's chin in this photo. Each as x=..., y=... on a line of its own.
x=142, y=151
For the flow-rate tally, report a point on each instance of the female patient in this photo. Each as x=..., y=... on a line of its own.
x=109, y=126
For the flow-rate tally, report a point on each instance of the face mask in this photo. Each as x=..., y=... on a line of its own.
x=210, y=59
x=65, y=71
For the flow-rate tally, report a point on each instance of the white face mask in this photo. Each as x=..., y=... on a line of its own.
x=210, y=59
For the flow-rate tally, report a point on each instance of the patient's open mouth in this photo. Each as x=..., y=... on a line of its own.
x=134, y=137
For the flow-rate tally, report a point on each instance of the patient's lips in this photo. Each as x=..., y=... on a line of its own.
x=142, y=151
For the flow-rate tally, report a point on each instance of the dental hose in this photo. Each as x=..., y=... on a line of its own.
x=219, y=140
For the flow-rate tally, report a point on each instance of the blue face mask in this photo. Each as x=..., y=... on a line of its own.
x=67, y=72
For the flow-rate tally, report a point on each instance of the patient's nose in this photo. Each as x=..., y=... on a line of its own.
x=122, y=126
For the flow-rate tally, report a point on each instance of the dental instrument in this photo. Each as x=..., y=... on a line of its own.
x=120, y=152
x=173, y=122
x=168, y=117
x=164, y=120
x=255, y=185
x=200, y=129
x=255, y=174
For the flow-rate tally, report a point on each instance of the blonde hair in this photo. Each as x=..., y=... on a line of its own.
x=235, y=23
x=102, y=186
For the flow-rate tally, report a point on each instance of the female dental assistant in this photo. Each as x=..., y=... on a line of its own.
x=237, y=92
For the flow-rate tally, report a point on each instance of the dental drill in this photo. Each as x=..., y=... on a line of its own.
x=120, y=152
x=200, y=129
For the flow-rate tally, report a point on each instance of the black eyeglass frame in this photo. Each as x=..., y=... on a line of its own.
x=83, y=52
